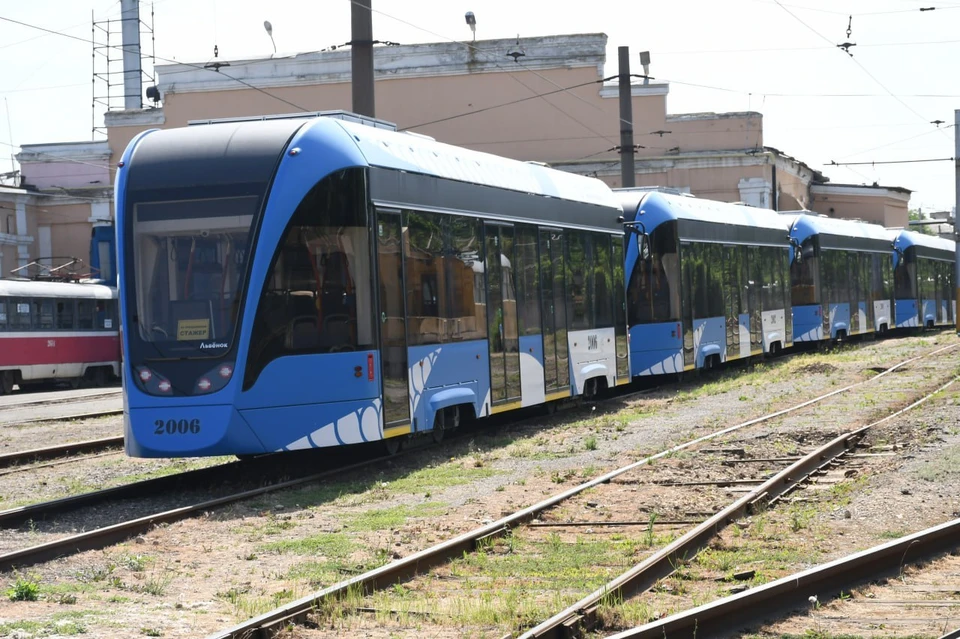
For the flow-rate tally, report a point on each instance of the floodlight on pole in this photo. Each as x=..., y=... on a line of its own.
x=645, y=63
x=472, y=21
x=269, y=29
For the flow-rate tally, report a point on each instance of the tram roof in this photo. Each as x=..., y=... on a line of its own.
x=34, y=288
x=905, y=238
x=420, y=154
x=806, y=223
x=686, y=207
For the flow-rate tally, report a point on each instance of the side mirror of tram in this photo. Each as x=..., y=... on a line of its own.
x=643, y=245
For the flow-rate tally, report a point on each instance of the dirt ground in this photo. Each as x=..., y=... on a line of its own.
x=201, y=575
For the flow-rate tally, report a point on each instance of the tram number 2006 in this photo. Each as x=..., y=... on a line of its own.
x=177, y=427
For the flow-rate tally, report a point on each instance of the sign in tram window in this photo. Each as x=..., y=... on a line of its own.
x=190, y=329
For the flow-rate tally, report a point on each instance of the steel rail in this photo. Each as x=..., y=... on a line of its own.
x=14, y=517
x=53, y=401
x=272, y=622
x=796, y=590
x=62, y=418
x=582, y=615
x=101, y=537
x=52, y=452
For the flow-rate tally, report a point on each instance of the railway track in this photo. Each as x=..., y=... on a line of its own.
x=19, y=458
x=765, y=491
x=56, y=397
x=272, y=473
x=784, y=596
x=59, y=406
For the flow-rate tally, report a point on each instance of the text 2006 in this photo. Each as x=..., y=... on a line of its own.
x=177, y=427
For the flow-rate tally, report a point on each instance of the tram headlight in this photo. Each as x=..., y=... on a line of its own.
x=214, y=379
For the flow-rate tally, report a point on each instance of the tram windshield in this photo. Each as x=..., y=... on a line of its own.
x=189, y=259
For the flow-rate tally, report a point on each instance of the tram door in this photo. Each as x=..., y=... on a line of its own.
x=502, y=334
x=556, y=363
x=393, y=323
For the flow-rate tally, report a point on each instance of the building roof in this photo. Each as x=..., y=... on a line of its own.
x=402, y=61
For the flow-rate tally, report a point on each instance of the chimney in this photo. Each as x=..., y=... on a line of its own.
x=130, y=18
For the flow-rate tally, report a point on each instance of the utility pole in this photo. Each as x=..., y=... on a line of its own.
x=361, y=57
x=956, y=212
x=628, y=174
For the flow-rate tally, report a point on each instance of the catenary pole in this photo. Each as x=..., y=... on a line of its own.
x=627, y=172
x=956, y=211
x=361, y=57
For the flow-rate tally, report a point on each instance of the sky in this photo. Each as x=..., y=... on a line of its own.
x=778, y=57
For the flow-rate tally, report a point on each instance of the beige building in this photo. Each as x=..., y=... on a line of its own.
x=543, y=99
x=65, y=190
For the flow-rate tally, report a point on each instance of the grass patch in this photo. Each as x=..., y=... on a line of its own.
x=387, y=518
x=247, y=604
x=946, y=463
x=893, y=534
x=556, y=573
x=443, y=476
x=329, y=545
x=55, y=626
x=24, y=589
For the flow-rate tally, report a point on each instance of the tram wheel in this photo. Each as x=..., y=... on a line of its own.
x=6, y=383
x=392, y=445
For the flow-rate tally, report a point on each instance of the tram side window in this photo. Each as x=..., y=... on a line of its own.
x=318, y=294
x=833, y=277
x=43, y=313
x=905, y=276
x=464, y=319
x=863, y=274
x=710, y=280
x=876, y=277
x=443, y=256
x=65, y=314
x=653, y=294
x=734, y=293
x=4, y=323
x=85, y=314
x=803, y=274
x=694, y=257
x=926, y=279
x=772, y=295
x=602, y=281
x=104, y=315
x=580, y=298
x=21, y=315
x=707, y=285
x=527, y=276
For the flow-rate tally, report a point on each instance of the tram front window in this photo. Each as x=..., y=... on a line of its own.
x=189, y=259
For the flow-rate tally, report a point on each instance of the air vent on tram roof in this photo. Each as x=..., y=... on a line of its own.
x=337, y=114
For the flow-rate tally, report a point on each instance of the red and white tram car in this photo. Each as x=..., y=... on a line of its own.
x=57, y=331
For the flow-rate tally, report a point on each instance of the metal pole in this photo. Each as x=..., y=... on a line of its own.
x=132, y=72
x=956, y=212
x=361, y=58
x=628, y=175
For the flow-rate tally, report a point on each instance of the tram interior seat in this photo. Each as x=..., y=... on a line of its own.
x=336, y=332
x=301, y=333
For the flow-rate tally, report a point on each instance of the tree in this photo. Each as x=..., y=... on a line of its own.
x=927, y=229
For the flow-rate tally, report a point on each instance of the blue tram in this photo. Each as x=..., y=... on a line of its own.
x=708, y=282
x=923, y=272
x=841, y=277
x=302, y=281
